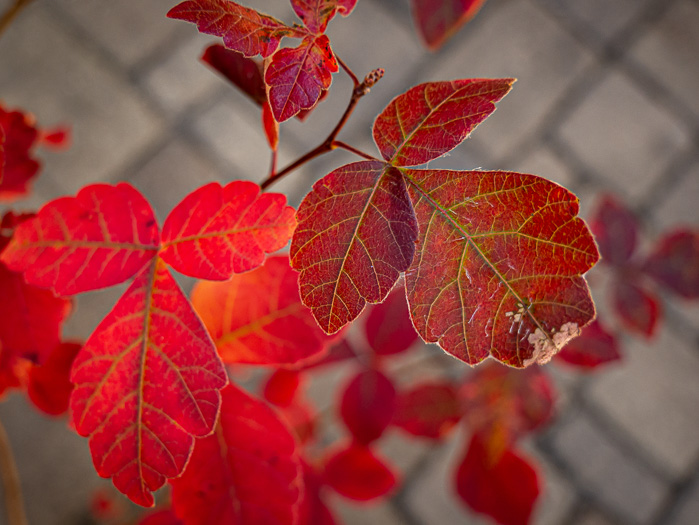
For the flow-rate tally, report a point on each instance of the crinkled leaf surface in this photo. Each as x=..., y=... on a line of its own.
x=388, y=328
x=316, y=14
x=246, y=473
x=358, y=474
x=431, y=119
x=355, y=236
x=437, y=20
x=616, y=231
x=100, y=237
x=242, y=29
x=258, y=318
x=428, y=410
x=675, y=263
x=218, y=231
x=367, y=405
x=146, y=382
x=595, y=347
x=243, y=72
x=498, y=267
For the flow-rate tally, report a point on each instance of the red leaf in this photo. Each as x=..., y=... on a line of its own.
x=431, y=119
x=356, y=473
x=313, y=510
x=367, y=406
x=57, y=138
x=389, y=329
x=247, y=473
x=638, y=309
x=9, y=222
x=498, y=265
x=616, y=231
x=17, y=164
x=338, y=352
x=296, y=77
x=216, y=232
x=438, y=20
x=160, y=517
x=268, y=326
x=316, y=14
x=14, y=370
x=428, y=410
x=100, y=237
x=675, y=263
x=49, y=385
x=140, y=432
x=271, y=126
x=300, y=416
x=242, y=29
x=281, y=387
x=504, y=488
x=243, y=72
x=593, y=348
x=355, y=235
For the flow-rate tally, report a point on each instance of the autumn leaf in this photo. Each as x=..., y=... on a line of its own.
x=638, y=309
x=358, y=474
x=18, y=166
x=438, y=20
x=316, y=14
x=356, y=234
x=245, y=73
x=674, y=263
x=246, y=473
x=595, y=347
x=429, y=410
x=388, y=327
x=281, y=387
x=616, y=231
x=49, y=385
x=141, y=432
x=218, y=231
x=367, y=405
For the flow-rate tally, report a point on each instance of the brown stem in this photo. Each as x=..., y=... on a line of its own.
x=11, y=13
x=10, y=482
x=360, y=153
x=347, y=69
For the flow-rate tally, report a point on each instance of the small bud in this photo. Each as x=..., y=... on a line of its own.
x=373, y=77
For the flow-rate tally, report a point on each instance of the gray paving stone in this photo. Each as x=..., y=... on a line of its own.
x=594, y=518
x=624, y=136
x=600, y=466
x=89, y=309
x=545, y=163
x=518, y=40
x=688, y=508
x=654, y=398
x=678, y=207
x=668, y=51
x=403, y=450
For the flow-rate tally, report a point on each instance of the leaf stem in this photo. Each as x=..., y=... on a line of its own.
x=360, y=153
x=347, y=70
x=11, y=13
x=10, y=482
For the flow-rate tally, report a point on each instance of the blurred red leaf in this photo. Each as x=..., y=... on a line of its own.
x=106, y=505
x=18, y=137
x=217, y=231
x=57, y=138
x=367, y=405
x=296, y=77
x=100, y=237
x=14, y=370
x=593, y=348
x=242, y=29
x=675, y=263
x=316, y=14
x=638, y=309
x=160, y=517
x=246, y=473
x=270, y=126
x=389, y=329
x=300, y=416
x=504, y=488
x=431, y=119
x=615, y=229
x=338, y=352
x=243, y=72
x=313, y=510
x=356, y=473
x=49, y=385
x=8, y=224
x=438, y=20
x=141, y=433
x=269, y=325
x=281, y=387
x=498, y=266
x=428, y=410
x=355, y=235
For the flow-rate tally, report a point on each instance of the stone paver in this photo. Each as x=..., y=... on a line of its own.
x=678, y=207
x=688, y=509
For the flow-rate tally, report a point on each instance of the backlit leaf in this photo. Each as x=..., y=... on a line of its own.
x=18, y=166
x=258, y=318
x=638, y=309
x=313, y=509
x=100, y=237
x=675, y=263
x=355, y=236
x=49, y=385
x=316, y=14
x=616, y=231
x=281, y=387
x=146, y=382
x=595, y=347
x=428, y=410
x=296, y=77
x=367, y=405
x=437, y=20
x=242, y=29
x=431, y=119
x=389, y=329
x=497, y=270
x=246, y=473
x=243, y=72
x=358, y=474
x=160, y=517
x=218, y=231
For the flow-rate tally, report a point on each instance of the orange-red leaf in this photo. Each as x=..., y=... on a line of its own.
x=438, y=20
x=316, y=14
x=428, y=410
x=367, y=405
x=49, y=385
x=242, y=29
x=498, y=267
x=281, y=387
x=356, y=473
x=595, y=347
x=258, y=318
x=431, y=119
x=355, y=236
x=100, y=237
x=218, y=231
x=389, y=329
x=246, y=473
x=296, y=77
x=146, y=382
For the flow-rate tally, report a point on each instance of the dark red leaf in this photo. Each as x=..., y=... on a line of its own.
x=438, y=20
x=271, y=126
x=497, y=270
x=140, y=431
x=338, y=352
x=218, y=231
x=615, y=229
x=100, y=237
x=14, y=371
x=675, y=263
x=8, y=224
x=258, y=318
x=17, y=164
x=296, y=77
x=242, y=29
x=281, y=387
x=431, y=119
x=316, y=14
x=49, y=385
x=243, y=72
x=389, y=329
x=356, y=473
x=300, y=416
x=161, y=517
x=367, y=406
x=595, y=347
x=356, y=234
x=428, y=410
x=638, y=309
x=504, y=487
x=246, y=473
x=313, y=510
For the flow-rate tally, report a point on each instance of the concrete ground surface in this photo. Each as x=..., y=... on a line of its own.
x=606, y=100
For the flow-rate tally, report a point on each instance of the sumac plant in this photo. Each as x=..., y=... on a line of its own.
x=486, y=264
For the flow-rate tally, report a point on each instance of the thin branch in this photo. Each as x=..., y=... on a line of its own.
x=11, y=13
x=10, y=482
x=360, y=153
x=347, y=69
